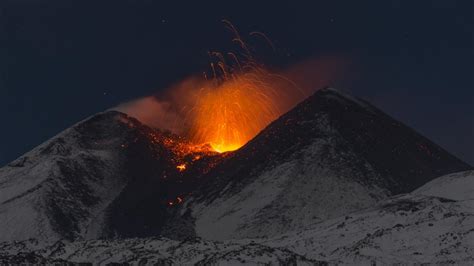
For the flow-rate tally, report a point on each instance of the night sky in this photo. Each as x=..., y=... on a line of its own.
x=61, y=61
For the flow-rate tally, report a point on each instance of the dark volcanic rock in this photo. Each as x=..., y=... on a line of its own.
x=108, y=176
x=405, y=159
x=111, y=176
x=328, y=156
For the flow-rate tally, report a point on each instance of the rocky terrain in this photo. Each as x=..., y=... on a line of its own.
x=426, y=226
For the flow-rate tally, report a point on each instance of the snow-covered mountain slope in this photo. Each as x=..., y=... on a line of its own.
x=151, y=251
x=330, y=155
x=404, y=229
x=457, y=186
x=106, y=176
x=425, y=226
x=60, y=187
x=110, y=176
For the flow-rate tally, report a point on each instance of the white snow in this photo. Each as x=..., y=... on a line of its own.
x=295, y=211
x=28, y=185
x=456, y=186
x=288, y=197
x=402, y=230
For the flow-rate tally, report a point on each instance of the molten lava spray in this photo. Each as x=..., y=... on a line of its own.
x=240, y=99
x=228, y=115
x=234, y=103
x=228, y=111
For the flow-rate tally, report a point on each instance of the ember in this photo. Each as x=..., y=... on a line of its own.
x=181, y=167
x=175, y=202
x=221, y=110
x=238, y=101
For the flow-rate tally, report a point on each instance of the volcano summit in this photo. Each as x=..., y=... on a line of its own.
x=332, y=180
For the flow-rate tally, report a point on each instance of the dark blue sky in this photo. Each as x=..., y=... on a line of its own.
x=61, y=61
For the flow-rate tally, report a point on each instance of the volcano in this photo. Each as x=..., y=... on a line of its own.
x=112, y=177
x=329, y=156
x=108, y=175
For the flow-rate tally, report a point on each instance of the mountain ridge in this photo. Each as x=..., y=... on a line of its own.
x=433, y=228
x=326, y=156
x=110, y=176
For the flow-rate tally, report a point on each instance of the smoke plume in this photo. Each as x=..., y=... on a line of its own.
x=229, y=111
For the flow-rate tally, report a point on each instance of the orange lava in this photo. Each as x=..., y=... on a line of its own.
x=181, y=167
x=229, y=115
x=237, y=99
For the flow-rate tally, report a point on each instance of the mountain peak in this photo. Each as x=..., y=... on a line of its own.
x=338, y=98
x=330, y=155
x=111, y=176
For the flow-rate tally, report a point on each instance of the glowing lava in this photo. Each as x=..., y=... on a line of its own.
x=181, y=167
x=229, y=115
x=239, y=100
x=232, y=103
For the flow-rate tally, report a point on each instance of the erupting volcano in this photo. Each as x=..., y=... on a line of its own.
x=239, y=99
x=220, y=147
x=235, y=99
x=229, y=115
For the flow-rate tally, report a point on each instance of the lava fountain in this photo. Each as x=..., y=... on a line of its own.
x=238, y=100
x=226, y=107
x=228, y=115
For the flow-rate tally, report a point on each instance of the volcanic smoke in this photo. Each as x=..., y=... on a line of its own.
x=231, y=113
x=232, y=104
